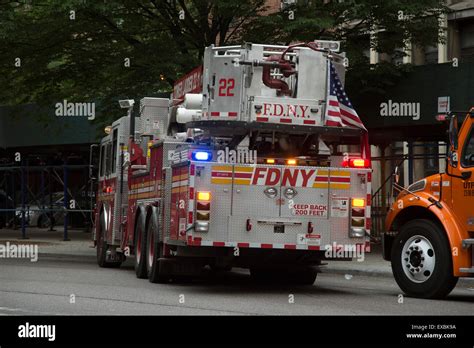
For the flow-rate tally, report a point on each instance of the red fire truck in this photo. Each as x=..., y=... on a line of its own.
x=239, y=168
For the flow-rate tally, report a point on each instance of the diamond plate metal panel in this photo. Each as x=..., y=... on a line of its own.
x=223, y=80
x=247, y=198
x=263, y=230
x=154, y=115
x=166, y=183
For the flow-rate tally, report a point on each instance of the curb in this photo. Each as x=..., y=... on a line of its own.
x=67, y=256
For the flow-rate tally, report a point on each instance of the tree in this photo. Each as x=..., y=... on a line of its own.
x=101, y=51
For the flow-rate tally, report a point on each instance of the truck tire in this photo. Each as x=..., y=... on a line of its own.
x=154, y=253
x=140, y=248
x=304, y=276
x=421, y=260
x=102, y=246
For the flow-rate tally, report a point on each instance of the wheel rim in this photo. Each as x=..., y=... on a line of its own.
x=418, y=259
x=151, y=249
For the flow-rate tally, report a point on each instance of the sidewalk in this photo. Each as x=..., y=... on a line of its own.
x=51, y=242
x=372, y=265
x=80, y=245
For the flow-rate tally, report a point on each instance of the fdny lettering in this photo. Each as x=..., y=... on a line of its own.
x=284, y=177
x=285, y=110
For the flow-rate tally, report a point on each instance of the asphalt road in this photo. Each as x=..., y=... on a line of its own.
x=46, y=288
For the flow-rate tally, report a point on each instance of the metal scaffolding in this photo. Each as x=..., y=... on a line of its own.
x=44, y=196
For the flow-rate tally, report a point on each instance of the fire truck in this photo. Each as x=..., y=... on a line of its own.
x=431, y=222
x=237, y=169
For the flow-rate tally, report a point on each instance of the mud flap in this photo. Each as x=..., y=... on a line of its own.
x=387, y=243
x=181, y=267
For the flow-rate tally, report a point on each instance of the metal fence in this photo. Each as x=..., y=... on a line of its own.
x=383, y=197
x=46, y=196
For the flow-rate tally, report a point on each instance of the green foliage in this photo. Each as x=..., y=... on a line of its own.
x=80, y=55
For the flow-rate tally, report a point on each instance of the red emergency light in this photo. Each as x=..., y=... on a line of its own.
x=107, y=189
x=356, y=163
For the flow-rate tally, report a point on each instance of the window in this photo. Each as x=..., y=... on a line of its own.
x=102, y=160
x=431, y=158
x=108, y=158
x=467, y=159
x=114, y=150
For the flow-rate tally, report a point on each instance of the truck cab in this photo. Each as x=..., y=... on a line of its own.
x=430, y=225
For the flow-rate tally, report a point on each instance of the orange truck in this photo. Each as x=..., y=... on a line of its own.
x=430, y=225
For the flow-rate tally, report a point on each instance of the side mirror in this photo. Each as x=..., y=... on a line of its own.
x=396, y=180
x=453, y=142
x=396, y=174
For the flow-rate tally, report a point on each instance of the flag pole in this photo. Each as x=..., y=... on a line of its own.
x=328, y=86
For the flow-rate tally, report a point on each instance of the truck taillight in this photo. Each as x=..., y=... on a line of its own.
x=270, y=161
x=310, y=227
x=358, y=202
x=291, y=162
x=203, y=211
x=203, y=196
x=356, y=163
x=358, y=220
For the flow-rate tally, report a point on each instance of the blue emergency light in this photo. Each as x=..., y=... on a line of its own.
x=204, y=156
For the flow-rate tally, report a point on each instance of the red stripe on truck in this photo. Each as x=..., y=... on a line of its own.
x=243, y=175
x=221, y=174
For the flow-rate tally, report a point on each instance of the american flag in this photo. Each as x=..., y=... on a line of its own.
x=339, y=110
